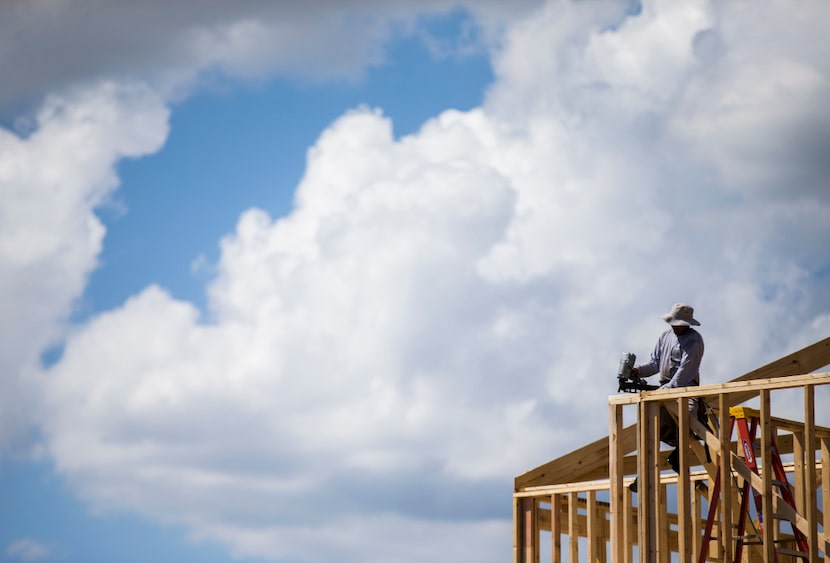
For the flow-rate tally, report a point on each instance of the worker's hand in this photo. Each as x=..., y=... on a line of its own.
x=635, y=373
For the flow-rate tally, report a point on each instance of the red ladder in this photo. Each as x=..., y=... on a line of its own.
x=746, y=433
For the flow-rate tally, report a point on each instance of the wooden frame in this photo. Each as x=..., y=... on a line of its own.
x=665, y=520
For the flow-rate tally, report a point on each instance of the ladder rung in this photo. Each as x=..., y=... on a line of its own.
x=787, y=539
x=791, y=552
x=755, y=537
x=781, y=516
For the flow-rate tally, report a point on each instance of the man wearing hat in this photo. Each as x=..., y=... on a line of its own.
x=676, y=357
x=678, y=351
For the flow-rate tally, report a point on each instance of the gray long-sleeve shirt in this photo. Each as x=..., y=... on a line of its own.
x=677, y=359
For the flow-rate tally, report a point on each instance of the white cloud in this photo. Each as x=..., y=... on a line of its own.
x=406, y=540
x=444, y=311
x=50, y=182
x=774, y=88
x=648, y=57
x=27, y=549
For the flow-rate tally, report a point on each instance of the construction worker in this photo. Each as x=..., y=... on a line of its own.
x=676, y=357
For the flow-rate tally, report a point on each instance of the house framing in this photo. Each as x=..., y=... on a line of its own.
x=579, y=507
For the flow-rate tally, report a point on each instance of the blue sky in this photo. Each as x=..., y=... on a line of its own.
x=38, y=506
x=315, y=282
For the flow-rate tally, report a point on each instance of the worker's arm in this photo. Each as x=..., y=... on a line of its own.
x=653, y=364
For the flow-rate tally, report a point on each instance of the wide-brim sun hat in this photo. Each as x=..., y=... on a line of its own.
x=681, y=315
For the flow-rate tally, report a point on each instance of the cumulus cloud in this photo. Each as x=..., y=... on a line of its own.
x=441, y=312
x=50, y=183
x=342, y=366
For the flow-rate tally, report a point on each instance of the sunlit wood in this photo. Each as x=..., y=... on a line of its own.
x=587, y=489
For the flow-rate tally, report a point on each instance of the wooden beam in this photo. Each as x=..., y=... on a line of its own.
x=531, y=530
x=733, y=388
x=683, y=484
x=556, y=528
x=593, y=532
x=809, y=480
x=809, y=358
x=766, y=477
x=726, y=481
x=617, y=490
x=798, y=427
x=571, y=467
x=697, y=526
x=573, y=528
x=604, y=484
x=825, y=493
x=806, y=360
x=518, y=522
x=629, y=528
x=649, y=480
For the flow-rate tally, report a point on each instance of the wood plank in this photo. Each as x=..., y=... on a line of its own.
x=630, y=527
x=683, y=488
x=738, y=388
x=798, y=474
x=766, y=478
x=615, y=478
x=594, y=532
x=518, y=521
x=527, y=527
x=643, y=475
x=806, y=360
x=556, y=528
x=573, y=528
x=697, y=527
x=664, y=547
x=651, y=495
x=603, y=485
x=531, y=547
x=798, y=428
x=725, y=479
x=809, y=479
x=825, y=493
x=572, y=467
